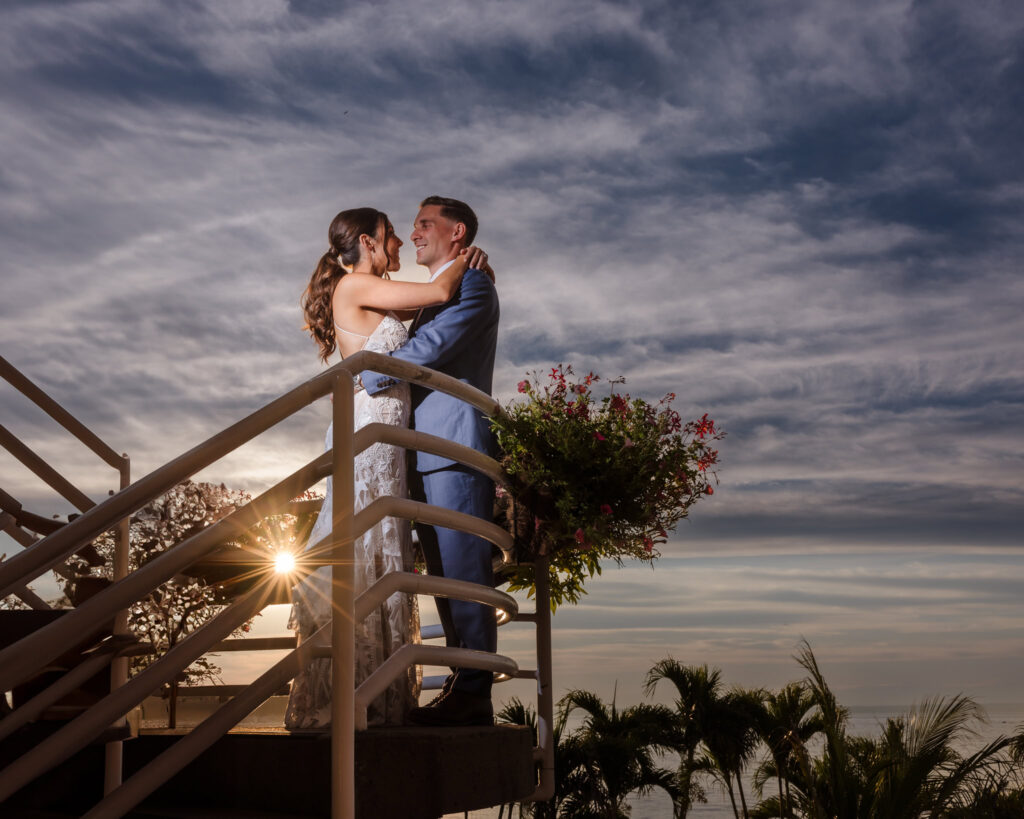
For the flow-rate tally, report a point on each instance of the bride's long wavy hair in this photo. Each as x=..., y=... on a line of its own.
x=343, y=236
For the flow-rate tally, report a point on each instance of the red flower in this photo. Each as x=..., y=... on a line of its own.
x=709, y=491
x=598, y=435
x=705, y=426
x=648, y=544
x=605, y=509
x=579, y=536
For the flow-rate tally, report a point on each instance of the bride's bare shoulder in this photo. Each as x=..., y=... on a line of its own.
x=353, y=280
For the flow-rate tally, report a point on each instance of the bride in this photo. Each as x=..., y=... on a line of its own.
x=352, y=305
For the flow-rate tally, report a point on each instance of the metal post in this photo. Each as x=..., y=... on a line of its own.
x=545, y=705
x=343, y=795
x=114, y=752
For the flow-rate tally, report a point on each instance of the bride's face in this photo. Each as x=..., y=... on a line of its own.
x=391, y=244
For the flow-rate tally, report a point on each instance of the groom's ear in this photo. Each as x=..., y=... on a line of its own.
x=459, y=232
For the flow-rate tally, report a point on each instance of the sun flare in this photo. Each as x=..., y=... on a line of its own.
x=284, y=562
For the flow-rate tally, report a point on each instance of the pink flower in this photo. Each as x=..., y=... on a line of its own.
x=605, y=509
x=598, y=435
x=579, y=536
x=523, y=386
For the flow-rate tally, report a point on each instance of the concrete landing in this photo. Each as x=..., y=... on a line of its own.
x=412, y=773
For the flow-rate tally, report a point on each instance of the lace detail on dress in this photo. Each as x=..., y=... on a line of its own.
x=379, y=472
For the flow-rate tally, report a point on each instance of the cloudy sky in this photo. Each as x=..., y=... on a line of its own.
x=803, y=217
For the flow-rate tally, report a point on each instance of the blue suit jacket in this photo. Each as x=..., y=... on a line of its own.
x=457, y=338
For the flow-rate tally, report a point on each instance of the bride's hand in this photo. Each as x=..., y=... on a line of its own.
x=476, y=257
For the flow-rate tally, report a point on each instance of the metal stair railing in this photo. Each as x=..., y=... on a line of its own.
x=25, y=385
x=56, y=547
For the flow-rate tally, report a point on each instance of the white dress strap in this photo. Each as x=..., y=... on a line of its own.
x=341, y=329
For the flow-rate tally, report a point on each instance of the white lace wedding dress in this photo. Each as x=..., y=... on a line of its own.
x=379, y=471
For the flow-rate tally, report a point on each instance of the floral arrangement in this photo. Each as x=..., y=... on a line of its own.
x=592, y=480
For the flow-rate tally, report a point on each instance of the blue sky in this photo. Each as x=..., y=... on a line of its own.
x=804, y=218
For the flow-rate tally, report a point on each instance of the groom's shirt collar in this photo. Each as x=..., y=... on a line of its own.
x=441, y=269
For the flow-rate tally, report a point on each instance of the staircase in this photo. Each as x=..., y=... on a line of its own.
x=86, y=766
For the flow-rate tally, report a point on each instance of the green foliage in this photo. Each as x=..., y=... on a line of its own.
x=612, y=755
x=594, y=480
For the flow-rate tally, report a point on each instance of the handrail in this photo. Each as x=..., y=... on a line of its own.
x=26, y=713
x=437, y=587
x=416, y=510
x=413, y=439
x=56, y=481
x=51, y=550
x=419, y=654
x=24, y=385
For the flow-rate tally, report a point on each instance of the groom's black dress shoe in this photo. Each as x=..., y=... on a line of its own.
x=454, y=708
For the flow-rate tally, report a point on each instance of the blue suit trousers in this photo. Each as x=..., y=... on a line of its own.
x=466, y=557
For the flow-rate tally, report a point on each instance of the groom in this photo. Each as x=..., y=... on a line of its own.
x=458, y=339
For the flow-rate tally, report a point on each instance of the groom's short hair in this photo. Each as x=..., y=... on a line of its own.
x=456, y=211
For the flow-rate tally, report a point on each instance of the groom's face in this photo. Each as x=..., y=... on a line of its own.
x=435, y=236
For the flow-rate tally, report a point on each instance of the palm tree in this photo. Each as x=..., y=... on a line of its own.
x=730, y=740
x=612, y=755
x=786, y=722
x=830, y=786
x=912, y=770
x=722, y=724
x=923, y=774
x=698, y=688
